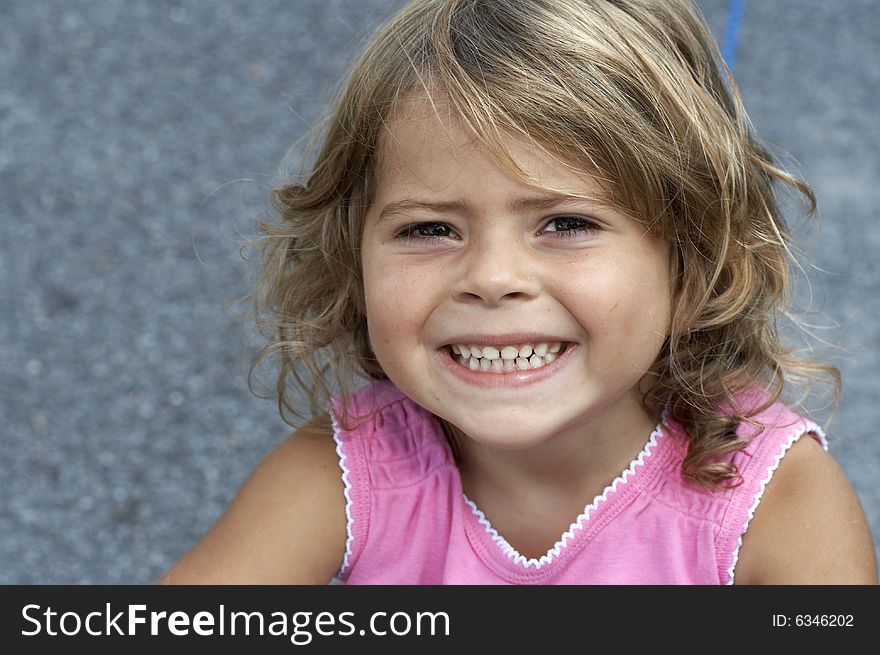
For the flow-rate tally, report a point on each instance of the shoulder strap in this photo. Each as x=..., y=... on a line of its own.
x=387, y=443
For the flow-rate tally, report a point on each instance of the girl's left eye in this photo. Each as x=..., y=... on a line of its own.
x=570, y=226
x=425, y=231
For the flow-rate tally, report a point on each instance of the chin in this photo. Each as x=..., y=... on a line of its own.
x=504, y=436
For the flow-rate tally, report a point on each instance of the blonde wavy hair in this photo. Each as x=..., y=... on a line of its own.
x=631, y=92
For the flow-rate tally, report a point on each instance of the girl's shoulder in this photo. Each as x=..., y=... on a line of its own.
x=806, y=525
x=791, y=517
x=286, y=525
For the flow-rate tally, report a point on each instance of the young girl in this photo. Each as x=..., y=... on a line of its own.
x=530, y=289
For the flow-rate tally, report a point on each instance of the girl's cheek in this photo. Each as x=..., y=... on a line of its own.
x=388, y=312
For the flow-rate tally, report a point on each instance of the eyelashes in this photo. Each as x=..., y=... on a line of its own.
x=425, y=231
x=569, y=227
x=558, y=227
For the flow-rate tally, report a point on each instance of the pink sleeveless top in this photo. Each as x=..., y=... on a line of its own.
x=410, y=523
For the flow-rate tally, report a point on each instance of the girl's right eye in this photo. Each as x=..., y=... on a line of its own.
x=426, y=231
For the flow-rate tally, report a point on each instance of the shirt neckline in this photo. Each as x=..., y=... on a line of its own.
x=507, y=562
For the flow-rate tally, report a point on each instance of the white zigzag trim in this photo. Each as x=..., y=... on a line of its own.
x=517, y=558
x=347, y=493
x=809, y=426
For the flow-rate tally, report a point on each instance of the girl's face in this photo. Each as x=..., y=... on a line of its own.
x=561, y=305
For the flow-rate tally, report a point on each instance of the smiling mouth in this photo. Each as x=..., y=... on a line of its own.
x=506, y=359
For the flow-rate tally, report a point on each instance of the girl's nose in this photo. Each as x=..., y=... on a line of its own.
x=495, y=271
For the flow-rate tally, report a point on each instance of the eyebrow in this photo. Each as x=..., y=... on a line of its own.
x=545, y=201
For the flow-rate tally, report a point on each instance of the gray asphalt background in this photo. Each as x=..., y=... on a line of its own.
x=139, y=141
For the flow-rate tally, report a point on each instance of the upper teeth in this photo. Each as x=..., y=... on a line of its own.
x=547, y=350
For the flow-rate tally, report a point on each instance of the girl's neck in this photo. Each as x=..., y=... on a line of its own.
x=579, y=461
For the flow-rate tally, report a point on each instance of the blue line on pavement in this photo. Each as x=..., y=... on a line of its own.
x=731, y=31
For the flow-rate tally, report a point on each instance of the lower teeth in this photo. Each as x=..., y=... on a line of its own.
x=499, y=365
